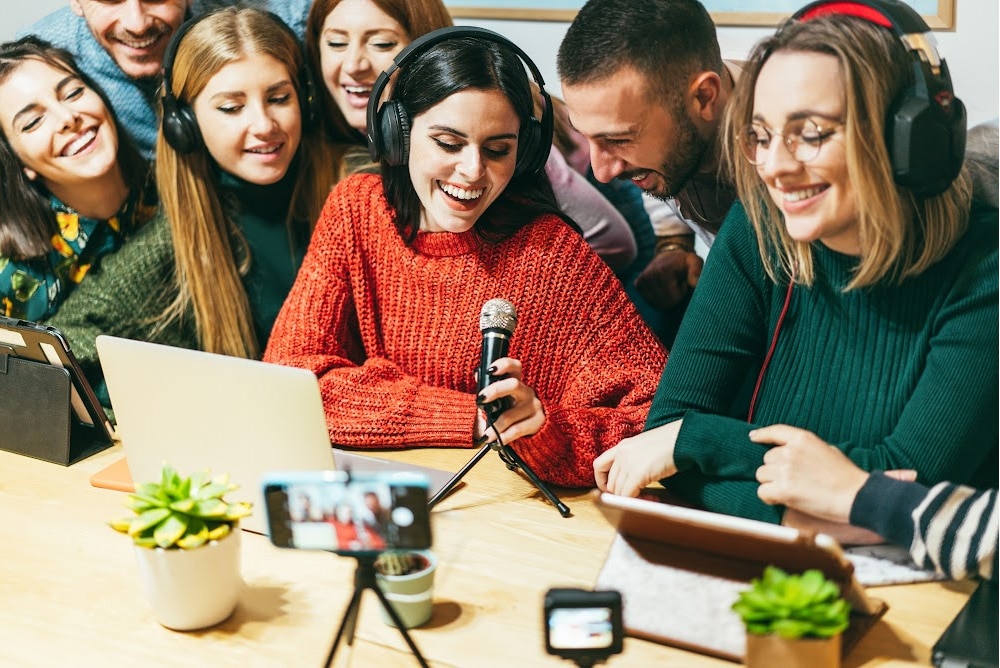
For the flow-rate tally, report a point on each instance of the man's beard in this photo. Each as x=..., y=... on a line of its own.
x=682, y=163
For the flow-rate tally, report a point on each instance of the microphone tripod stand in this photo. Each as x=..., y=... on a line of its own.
x=364, y=578
x=513, y=462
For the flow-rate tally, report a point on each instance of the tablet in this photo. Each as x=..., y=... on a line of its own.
x=46, y=345
x=679, y=570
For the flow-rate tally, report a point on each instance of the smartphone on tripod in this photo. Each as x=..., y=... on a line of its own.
x=348, y=513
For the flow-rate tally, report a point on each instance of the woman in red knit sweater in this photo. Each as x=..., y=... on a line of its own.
x=385, y=309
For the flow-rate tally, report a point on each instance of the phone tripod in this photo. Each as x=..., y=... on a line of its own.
x=513, y=462
x=364, y=578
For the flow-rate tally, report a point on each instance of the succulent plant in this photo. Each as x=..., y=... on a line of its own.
x=793, y=606
x=181, y=512
x=400, y=563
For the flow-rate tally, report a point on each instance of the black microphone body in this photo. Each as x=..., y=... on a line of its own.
x=496, y=321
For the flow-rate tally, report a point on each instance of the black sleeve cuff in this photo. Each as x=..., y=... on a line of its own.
x=885, y=505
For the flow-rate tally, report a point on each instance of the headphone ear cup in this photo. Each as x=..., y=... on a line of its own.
x=180, y=127
x=926, y=145
x=394, y=133
x=531, y=151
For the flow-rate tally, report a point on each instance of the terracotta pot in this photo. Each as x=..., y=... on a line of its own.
x=771, y=650
x=192, y=589
x=412, y=595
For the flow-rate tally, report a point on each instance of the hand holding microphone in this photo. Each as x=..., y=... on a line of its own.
x=507, y=404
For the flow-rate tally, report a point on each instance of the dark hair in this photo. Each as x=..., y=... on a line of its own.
x=664, y=40
x=449, y=67
x=26, y=219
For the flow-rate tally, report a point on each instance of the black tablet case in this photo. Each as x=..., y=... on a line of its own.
x=36, y=414
x=970, y=641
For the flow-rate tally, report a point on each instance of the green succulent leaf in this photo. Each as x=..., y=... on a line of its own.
x=147, y=519
x=182, y=505
x=214, y=508
x=170, y=530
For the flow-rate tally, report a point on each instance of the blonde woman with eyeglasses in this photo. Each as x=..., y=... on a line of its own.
x=850, y=304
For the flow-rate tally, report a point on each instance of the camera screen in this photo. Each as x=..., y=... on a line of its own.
x=581, y=628
x=363, y=515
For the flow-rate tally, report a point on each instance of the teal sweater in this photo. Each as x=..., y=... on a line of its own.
x=127, y=293
x=897, y=377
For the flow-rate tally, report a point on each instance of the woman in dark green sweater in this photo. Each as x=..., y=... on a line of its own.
x=239, y=189
x=861, y=311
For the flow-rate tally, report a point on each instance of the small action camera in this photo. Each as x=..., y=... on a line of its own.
x=583, y=626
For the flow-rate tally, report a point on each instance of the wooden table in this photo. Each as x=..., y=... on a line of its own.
x=69, y=591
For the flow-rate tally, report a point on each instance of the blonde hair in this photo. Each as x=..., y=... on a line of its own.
x=210, y=253
x=901, y=235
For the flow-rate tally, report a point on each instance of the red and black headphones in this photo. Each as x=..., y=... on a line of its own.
x=926, y=123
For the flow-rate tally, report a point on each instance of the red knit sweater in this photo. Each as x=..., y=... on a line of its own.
x=392, y=332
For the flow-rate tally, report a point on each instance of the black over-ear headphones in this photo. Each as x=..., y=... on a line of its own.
x=389, y=125
x=925, y=127
x=180, y=126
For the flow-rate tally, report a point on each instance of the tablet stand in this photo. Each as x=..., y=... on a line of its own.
x=364, y=578
x=513, y=462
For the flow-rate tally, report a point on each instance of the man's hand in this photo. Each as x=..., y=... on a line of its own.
x=669, y=277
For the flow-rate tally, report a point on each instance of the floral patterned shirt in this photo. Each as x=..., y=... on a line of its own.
x=33, y=289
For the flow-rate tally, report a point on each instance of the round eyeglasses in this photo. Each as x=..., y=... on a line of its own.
x=803, y=138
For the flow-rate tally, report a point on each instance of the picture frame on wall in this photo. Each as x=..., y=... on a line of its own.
x=939, y=14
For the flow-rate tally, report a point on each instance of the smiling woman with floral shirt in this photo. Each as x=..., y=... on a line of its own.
x=71, y=184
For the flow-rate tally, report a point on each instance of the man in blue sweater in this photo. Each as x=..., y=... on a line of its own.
x=120, y=45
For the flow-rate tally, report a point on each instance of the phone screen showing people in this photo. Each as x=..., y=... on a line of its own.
x=350, y=514
x=583, y=625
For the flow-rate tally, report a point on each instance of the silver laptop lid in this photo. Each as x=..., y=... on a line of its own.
x=198, y=410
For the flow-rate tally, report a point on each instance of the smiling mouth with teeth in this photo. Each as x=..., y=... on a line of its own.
x=265, y=150
x=461, y=194
x=139, y=42
x=79, y=143
x=805, y=193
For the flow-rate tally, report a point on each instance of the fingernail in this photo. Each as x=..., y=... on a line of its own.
x=492, y=369
x=480, y=399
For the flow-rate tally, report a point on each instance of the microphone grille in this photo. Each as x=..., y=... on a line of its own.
x=498, y=314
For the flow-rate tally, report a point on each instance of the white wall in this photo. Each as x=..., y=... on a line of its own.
x=972, y=50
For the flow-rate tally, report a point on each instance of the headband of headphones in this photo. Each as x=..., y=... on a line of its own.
x=925, y=131
x=425, y=42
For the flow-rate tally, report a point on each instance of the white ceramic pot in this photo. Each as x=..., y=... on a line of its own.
x=192, y=589
x=411, y=596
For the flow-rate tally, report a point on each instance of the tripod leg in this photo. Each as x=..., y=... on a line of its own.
x=535, y=480
x=446, y=489
x=349, y=623
x=399, y=625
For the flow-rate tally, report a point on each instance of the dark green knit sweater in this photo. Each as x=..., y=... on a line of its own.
x=133, y=286
x=898, y=377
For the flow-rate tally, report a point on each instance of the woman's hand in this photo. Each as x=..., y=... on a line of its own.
x=525, y=416
x=806, y=473
x=638, y=461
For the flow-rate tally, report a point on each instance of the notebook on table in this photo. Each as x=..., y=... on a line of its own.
x=196, y=410
x=680, y=569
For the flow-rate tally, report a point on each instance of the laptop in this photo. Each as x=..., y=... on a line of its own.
x=196, y=410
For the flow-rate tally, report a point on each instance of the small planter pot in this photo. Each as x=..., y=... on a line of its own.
x=412, y=595
x=192, y=589
x=772, y=650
